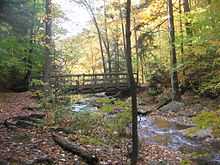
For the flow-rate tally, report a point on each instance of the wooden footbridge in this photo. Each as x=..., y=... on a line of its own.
x=94, y=83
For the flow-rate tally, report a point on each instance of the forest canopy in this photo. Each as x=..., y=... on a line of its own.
x=101, y=45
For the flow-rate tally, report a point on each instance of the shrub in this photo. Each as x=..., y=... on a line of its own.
x=36, y=84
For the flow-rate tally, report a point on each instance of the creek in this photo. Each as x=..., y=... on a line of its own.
x=156, y=130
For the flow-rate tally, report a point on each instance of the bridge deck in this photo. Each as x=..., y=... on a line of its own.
x=93, y=83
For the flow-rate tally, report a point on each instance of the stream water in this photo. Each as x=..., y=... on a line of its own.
x=163, y=132
x=158, y=131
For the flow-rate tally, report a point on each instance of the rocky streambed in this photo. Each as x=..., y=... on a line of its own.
x=155, y=129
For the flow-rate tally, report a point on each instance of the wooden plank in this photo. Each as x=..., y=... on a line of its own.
x=91, y=75
x=95, y=82
x=109, y=80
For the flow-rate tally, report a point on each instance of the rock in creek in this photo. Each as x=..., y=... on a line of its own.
x=173, y=106
x=198, y=134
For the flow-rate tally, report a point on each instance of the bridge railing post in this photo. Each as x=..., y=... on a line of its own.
x=78, y=82
x=95, y=79
x=105, y=79
x=83, y=81
x=137, y=81
x=116, y=79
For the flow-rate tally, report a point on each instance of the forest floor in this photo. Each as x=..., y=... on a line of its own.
x=30, y=144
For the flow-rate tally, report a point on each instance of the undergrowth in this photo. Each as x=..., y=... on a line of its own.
x=105, y=126
x=209, y=119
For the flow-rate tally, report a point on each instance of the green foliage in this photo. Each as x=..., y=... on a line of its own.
x=120, y=123
x=200, y=154
x=38, y=94
x=17, y=53
x=201, y=58
x=91, y=140
x=210, y=87
x=121, y=119
x=185, y=162
x=155, y=83
x=13, y=59
x=104, y=100
x=86, y=122
x=36, y=84
x=209, y=120
x=109, y=105
x=94, y=127
x=107, y=108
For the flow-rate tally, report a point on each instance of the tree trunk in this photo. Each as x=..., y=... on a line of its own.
x=186, y=9
x=134, y=156
x=137, y=50
x=182, y=37
x=48, y=41
x=89, y=8
x=28, y=75
x=122, y=29
x=118, y=57
x=106, y=42
x=173, y=60
x=92, y=14
x=100, y=44
x=189, y=33
x=142, y=68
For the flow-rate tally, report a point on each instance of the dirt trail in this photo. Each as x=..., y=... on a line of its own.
x=26, y=145
x=16, y=104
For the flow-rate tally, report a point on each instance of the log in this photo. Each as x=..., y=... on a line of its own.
x=75, y=149
x=18, y=123
x=28, y=117
x=23, y=121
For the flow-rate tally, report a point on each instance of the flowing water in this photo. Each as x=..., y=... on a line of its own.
x=163, y=132
x=156, y=131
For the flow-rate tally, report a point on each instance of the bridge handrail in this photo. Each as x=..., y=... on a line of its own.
x=92, y=75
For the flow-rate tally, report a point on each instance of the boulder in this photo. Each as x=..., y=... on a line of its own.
x=173, y=106
x=100, y=95
x=145, y=110
x=198, y=134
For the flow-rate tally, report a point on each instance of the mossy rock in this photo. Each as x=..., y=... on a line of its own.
x=196, y=133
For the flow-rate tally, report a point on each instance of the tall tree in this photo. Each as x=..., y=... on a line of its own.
x=173, y=59
x=133, y=90
x=186, y=9
x=106, y=40
x=136, y=49
x=188, y=30
x=122, y=27
x=181, y=34
x=28, y=75
x=91, y=12
x=48, y=41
